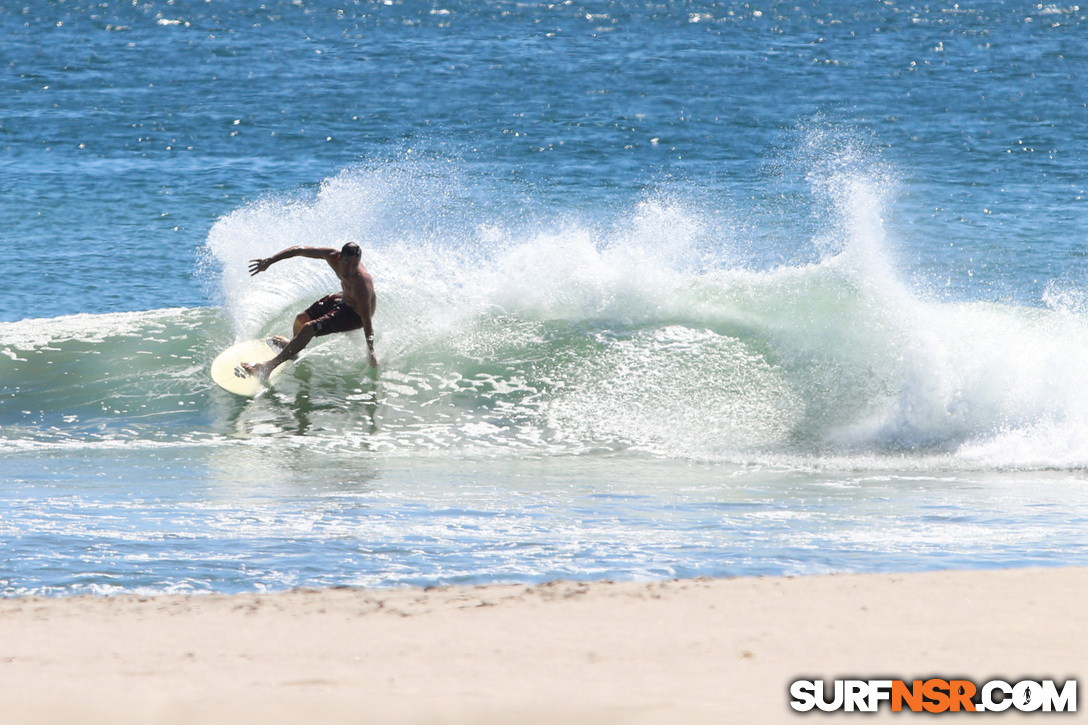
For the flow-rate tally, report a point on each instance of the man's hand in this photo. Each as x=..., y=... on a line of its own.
x=257, y=266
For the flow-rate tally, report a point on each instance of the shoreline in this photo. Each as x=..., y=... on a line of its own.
x=685, y=651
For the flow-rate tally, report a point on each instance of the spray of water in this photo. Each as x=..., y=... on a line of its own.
x=646, y=332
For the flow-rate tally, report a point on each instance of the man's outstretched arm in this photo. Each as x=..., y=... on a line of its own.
x=256, y=266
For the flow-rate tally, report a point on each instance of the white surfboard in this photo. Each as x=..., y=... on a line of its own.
x=227, y=369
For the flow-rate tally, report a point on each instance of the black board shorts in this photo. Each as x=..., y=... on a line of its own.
x=331, y=314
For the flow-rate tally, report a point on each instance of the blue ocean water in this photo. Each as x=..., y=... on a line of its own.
x=665, y=289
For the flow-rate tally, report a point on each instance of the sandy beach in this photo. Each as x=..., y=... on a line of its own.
x=689, y=651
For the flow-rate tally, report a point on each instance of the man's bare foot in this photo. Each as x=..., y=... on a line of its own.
x=258, y=369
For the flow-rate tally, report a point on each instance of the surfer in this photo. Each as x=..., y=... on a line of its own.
x=351, y=308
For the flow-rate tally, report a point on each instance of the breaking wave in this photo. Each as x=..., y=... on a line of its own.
x=644, y=333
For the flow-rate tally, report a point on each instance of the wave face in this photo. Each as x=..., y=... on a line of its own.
x=115, y=378
x=645, y=332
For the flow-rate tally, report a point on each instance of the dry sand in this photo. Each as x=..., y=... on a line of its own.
x=692, y=651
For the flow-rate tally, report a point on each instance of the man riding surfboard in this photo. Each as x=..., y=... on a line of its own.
x=350, y=309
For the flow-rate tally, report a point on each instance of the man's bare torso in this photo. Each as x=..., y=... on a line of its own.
x=358, y=288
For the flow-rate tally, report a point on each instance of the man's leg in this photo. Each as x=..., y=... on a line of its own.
x=306, y=332
x=300, y=320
